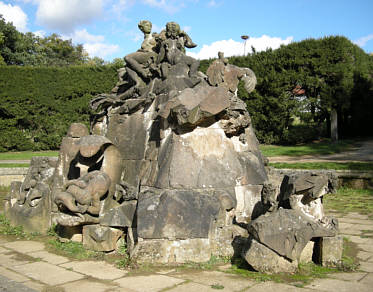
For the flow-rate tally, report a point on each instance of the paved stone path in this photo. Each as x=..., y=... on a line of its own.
x=362, y=152
x=27, y=266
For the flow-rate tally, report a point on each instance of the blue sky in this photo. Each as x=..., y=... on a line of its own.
x=108, y=28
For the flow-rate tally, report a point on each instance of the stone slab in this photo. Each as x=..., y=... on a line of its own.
x=355, y=221
x=355, y=227
x=366, y=267
x=367, y=280
x=3, y=250
x=366, y=247
x=348, y=276
x=47, y=273
x=36, y=286
x=88, y=285
x=7, y=285
x=189, y=287
x=359, y=239
x=99, y=270
x=152, y=283
x=12, y=275
x=25, y=246
x=353, y=215
x=364, y=256
x=49, y=257
x=230, y=282
x=276, y=287
x=334, y=285
x=10, y=259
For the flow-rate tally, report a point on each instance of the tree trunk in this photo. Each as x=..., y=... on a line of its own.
x=334, y=125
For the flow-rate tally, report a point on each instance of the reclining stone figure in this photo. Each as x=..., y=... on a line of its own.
x=83, y=194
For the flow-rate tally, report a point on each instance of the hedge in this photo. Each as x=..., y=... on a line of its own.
x=37, y=104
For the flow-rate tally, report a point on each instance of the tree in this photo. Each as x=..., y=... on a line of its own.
x=327, y=69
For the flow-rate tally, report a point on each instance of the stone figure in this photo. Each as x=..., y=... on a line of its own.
x=28, y=203
x=220, y=73
x=172, y=49
x=83, y=194
x=171, y=165
x=140, y=63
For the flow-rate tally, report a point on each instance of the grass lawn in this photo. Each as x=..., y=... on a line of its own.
x=350, y=200
x=25, y=155
x=316, y=148
x=11, y=165
x=325, y=165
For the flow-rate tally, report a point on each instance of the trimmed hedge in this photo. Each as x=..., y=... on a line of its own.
x=37, y=104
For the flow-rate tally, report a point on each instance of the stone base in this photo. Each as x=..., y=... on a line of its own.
x=100, y=238
x=263, y=259
x=172, y=251
x=328, y=250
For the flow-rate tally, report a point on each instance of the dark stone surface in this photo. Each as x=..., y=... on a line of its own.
x=175, y=214
x=287, y=231
x=121, y=216
x=128, y=133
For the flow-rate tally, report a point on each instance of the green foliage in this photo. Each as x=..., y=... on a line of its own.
x=316, y=148
x=11, y=165
x=39, y=103
x=362, y=166
x=335, y=74
x=7, y=229
x=350, y=200
x=26, y=155
x=73, y=250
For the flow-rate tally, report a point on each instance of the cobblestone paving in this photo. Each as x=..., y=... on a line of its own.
x=27, y=266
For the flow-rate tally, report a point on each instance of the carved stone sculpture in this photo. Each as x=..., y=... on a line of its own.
x=172, y=166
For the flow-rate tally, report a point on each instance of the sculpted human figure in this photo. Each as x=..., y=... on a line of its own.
x=138, y=63
x=172, y=50
x=83, y=194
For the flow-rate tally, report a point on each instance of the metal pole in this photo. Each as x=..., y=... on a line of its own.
x=245, y=38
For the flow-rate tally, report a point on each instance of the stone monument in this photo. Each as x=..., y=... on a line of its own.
x=171, y=165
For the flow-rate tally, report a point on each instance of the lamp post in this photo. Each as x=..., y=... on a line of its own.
x=245, y=38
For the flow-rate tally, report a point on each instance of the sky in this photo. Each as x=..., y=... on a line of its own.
x=108, y=28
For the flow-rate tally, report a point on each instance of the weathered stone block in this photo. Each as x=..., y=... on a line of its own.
x=121, y=216
x=287, y=231
x=265, y=260
x=100, y=238
x=249, y=205
x=175, y=214
x=329, y=250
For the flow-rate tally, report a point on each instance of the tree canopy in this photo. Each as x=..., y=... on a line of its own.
x=332, y=73
x=28, y=49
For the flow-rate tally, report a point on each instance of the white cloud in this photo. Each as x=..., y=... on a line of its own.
x=170, y=6
x=234, y=48
x=361, y=42
x=213, y=3
x=187, y=28
x=94, y=45
x=65, y=15
x=40, y=33
x=100, y=49
x=15, y=15
x=83, y=36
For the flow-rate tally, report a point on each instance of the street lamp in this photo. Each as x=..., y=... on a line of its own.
x=245, y=38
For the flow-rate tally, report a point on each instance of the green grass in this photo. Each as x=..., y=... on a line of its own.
x=74, y=250
x=325, y=165
x=350, y=200
x=316, y=148
x=11, y=165
x=26, y=155
x=7, y=229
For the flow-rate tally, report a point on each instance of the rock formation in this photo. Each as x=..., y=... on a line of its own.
x=171, y=164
